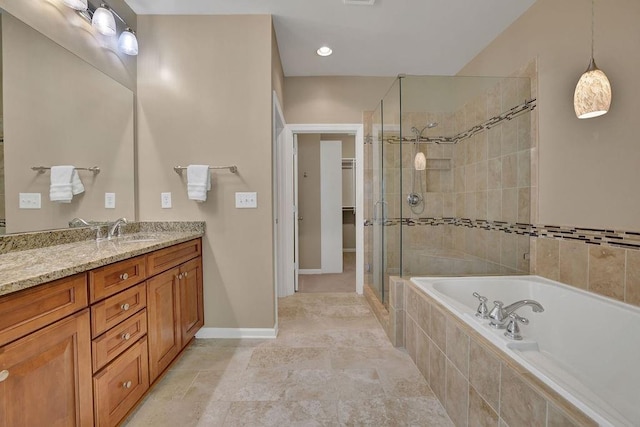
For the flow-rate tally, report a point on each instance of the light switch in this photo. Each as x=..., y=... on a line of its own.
x=30, y=201
x=246, y=200
x=165, y=200
x=110, y=200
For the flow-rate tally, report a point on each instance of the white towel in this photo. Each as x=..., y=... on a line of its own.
x=61, y=189
x=198, y=182
x=76, y=184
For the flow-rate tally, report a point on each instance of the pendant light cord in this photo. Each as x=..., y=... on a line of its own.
x=592, y=25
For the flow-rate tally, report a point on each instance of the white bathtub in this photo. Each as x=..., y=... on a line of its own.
x=585, y=347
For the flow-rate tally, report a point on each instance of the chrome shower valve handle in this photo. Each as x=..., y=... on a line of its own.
x=482, y=311
x=513, y=329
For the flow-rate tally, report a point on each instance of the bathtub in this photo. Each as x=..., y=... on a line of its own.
x=585, y=347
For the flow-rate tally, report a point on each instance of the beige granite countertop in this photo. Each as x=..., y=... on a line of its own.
x=28, y=268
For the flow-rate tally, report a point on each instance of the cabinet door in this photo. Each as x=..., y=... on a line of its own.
x=163, y=328
x=47, y=376
x=191, y=304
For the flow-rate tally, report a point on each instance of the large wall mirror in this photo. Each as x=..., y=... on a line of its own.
x=59, y=110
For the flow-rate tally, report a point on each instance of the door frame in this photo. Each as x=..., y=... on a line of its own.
x=286, y=205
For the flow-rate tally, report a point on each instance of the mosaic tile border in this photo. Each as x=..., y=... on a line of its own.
x=592, y=236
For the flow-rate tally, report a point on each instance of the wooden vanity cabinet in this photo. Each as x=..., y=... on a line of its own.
x=175, y=309
x=45, y=356
x=83, y=350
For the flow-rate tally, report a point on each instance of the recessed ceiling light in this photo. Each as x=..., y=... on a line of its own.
x=360, y=2
x=324, y=51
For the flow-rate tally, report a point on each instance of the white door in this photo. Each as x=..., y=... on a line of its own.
x=331, y=206
x=296, y=215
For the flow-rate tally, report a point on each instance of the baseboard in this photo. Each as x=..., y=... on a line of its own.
x=208, y=333
x=310, y=271
x=348, y=249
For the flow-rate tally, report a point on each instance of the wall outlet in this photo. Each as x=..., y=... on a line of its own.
x=165, y=200
x=246, y=200
x=110, y=200
x=30, y=201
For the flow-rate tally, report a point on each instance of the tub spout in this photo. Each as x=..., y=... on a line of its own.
x=499, y=314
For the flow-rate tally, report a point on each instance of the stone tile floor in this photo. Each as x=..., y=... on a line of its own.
x=331, y=365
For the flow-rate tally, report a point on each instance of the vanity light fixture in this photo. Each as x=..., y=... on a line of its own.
x=128, y=42
x=324, y=51
x=104, y=21
x=420, y=162
x=592, y=97
x=76, y=4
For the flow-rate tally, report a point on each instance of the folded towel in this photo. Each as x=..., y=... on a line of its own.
x=198, y=182
x=76, y=184
x=61, y=189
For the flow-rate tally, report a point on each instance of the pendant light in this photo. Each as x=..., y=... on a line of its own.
x=80, y=5
x=592, y=97
x=103, y=21
x=128, y=42
x=420, y=162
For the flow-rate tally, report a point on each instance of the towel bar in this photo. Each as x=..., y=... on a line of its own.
x=232, y=169
x=41, y=169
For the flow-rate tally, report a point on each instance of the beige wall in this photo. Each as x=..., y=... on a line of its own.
x=309, y=203
x=588, y=169
x=62, y=25
x=332, y=99
x=49, y=121
x=202, y=99
x=277, y=73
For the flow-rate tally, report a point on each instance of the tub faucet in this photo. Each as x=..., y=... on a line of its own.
x=499, y=314
x=114, y=229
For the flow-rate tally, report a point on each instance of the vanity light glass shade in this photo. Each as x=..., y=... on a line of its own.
x=592, y=97
x=420, y=162
x=324, y=51
x=128, y=42
x=76, y=4
x=103, y=21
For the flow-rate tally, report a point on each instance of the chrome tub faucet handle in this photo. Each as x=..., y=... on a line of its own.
x=482, y=311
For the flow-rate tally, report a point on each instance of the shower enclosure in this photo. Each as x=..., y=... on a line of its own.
x=448, y=179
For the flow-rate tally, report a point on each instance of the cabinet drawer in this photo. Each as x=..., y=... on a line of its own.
x=113, y=278
x=172, y=256
x=113, y=310
x=26, y=311
x=117, y=339
x=119, y=386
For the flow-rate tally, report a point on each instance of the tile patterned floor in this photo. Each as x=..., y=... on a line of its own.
x=338, y=282
x=331, y=365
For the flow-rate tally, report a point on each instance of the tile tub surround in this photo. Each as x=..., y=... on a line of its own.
x=330, y=365
x=32, y=267
x=476, y=383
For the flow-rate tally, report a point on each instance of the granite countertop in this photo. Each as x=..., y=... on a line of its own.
x=28, y=268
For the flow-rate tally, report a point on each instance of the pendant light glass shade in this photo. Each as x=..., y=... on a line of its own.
x=76, y=4
x=592, y=97
x=128, y=42
x=103, y=21
x=420, y=162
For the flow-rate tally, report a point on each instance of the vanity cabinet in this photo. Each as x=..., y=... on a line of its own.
x=175, y=303
x=84, y=350
x=45, y=356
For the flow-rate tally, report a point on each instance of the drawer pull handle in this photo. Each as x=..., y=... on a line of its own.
x=124, y=307
x=185, y=273
x=4, y=375
x=126, y=336
x=179, y=276
x=124, y=276
x=126, y=384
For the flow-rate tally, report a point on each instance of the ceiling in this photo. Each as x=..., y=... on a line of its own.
x=434, y=37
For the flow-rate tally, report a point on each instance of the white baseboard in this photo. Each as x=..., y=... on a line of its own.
x=348, y=249
x=208, y=333
x=310, y=271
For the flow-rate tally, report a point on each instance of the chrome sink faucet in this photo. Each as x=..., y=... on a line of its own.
x=499, y=314
x=114, y=229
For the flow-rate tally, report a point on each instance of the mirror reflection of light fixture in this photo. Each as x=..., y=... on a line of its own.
x=103, y=21
x=128, y=42
x=76, y=4
x=592, y=97
x=420, y=161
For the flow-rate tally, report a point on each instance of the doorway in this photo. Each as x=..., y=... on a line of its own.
x=290, y=212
